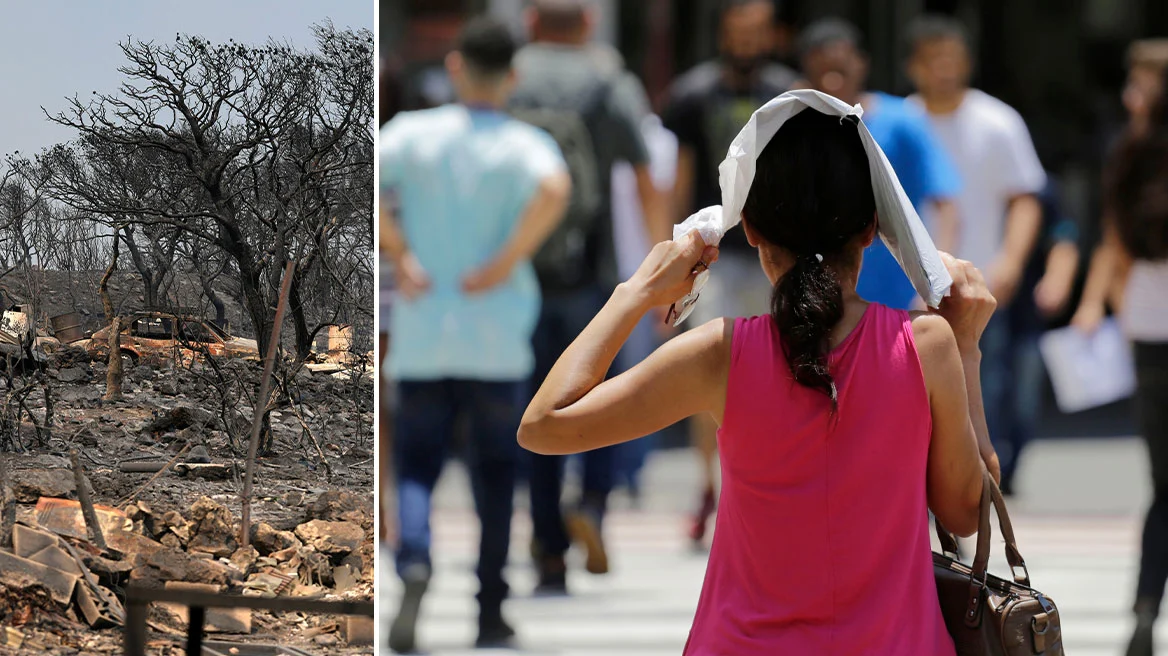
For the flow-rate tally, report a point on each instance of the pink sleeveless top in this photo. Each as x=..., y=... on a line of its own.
x=821, y=544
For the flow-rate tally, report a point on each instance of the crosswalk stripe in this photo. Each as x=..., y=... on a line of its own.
x=645, y=606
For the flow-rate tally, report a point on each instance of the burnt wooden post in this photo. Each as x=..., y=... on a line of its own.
x=134, y=641
x=92, y=526
x=196, y=618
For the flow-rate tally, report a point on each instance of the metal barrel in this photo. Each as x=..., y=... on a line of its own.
x=67, y=327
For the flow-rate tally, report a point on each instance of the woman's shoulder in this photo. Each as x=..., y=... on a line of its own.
x=929, y=330
x=934, y=341
x=717, y=336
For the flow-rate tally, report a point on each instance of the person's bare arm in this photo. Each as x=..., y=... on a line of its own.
x=541, y=216
x=1023, y=227
x=411, y=278
x=946, y=225
x=1058, y=278
x=392, y=241
x=1100, y=274
x=654, y=206
x=954, y=465
x=960, y=447
x=576, y=410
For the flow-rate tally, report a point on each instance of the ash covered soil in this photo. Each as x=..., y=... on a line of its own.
x=312, y=508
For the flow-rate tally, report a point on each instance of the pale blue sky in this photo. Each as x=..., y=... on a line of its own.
x=51, y=50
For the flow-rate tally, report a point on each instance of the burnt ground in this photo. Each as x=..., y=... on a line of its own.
x=312, y=511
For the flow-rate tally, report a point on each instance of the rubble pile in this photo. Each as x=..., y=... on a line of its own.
x=52, y=569
x=165, y=465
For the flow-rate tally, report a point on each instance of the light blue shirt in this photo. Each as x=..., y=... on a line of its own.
x=463, y=178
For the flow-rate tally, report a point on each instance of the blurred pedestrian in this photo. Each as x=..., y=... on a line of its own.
x=822, y=402
x=389, y=101
x=1136, y=216
x=834, y=63
x=1110, y=263
x=583, y=96
x=998, y=208
x=707, y=107
x=478, y=192
x=1053, y=268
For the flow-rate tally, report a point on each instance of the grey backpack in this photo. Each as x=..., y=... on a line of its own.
x=562, y=261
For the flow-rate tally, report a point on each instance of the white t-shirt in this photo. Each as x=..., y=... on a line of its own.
x=1145, y=304
x=631, y=239
x=991, y=147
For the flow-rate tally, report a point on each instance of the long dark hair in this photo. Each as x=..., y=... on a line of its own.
x=811, y=195
x=1136, y=186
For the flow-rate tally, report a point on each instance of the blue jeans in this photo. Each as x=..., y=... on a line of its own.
x=424, y=429
x=1011, y=383
x=562, y=317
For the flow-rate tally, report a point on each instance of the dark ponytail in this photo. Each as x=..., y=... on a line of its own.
x=806, y=304
x=812, y=196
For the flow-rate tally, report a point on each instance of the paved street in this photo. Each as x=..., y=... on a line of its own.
x=1077, y=516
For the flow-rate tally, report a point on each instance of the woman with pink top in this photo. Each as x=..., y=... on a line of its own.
x=841, y=422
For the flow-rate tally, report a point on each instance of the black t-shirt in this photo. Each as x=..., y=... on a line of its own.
x=706, y=115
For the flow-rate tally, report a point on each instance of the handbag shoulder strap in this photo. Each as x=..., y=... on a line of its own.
x=990, y=496
x=1013, y=556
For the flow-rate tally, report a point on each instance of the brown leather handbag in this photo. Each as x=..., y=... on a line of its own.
x=987, y=615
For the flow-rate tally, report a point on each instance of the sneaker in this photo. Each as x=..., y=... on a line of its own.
x=553, y=576
x=494, y=632
x=403, y=631
x=584, y=528
x=697, y=531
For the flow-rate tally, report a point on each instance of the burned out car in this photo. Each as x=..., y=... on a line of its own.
x=161, y=335
x=21, y=344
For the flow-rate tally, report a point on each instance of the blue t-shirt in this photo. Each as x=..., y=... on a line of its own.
x=926, y=173
x=462, y=178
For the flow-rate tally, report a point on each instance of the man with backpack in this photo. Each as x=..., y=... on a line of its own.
x=477, y=193
x=581, y=94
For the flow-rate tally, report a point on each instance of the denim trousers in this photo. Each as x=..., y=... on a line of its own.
x=1011, y=382
x=427, y=413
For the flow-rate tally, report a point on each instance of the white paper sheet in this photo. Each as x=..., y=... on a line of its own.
x=1088, y=370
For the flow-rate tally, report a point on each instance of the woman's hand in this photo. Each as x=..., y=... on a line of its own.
x=969, y=306
x=669, y=270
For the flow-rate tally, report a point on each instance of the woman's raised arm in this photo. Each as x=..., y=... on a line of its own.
x=577, y=410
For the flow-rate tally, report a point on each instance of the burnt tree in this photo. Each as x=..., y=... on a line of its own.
x=250, y=151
